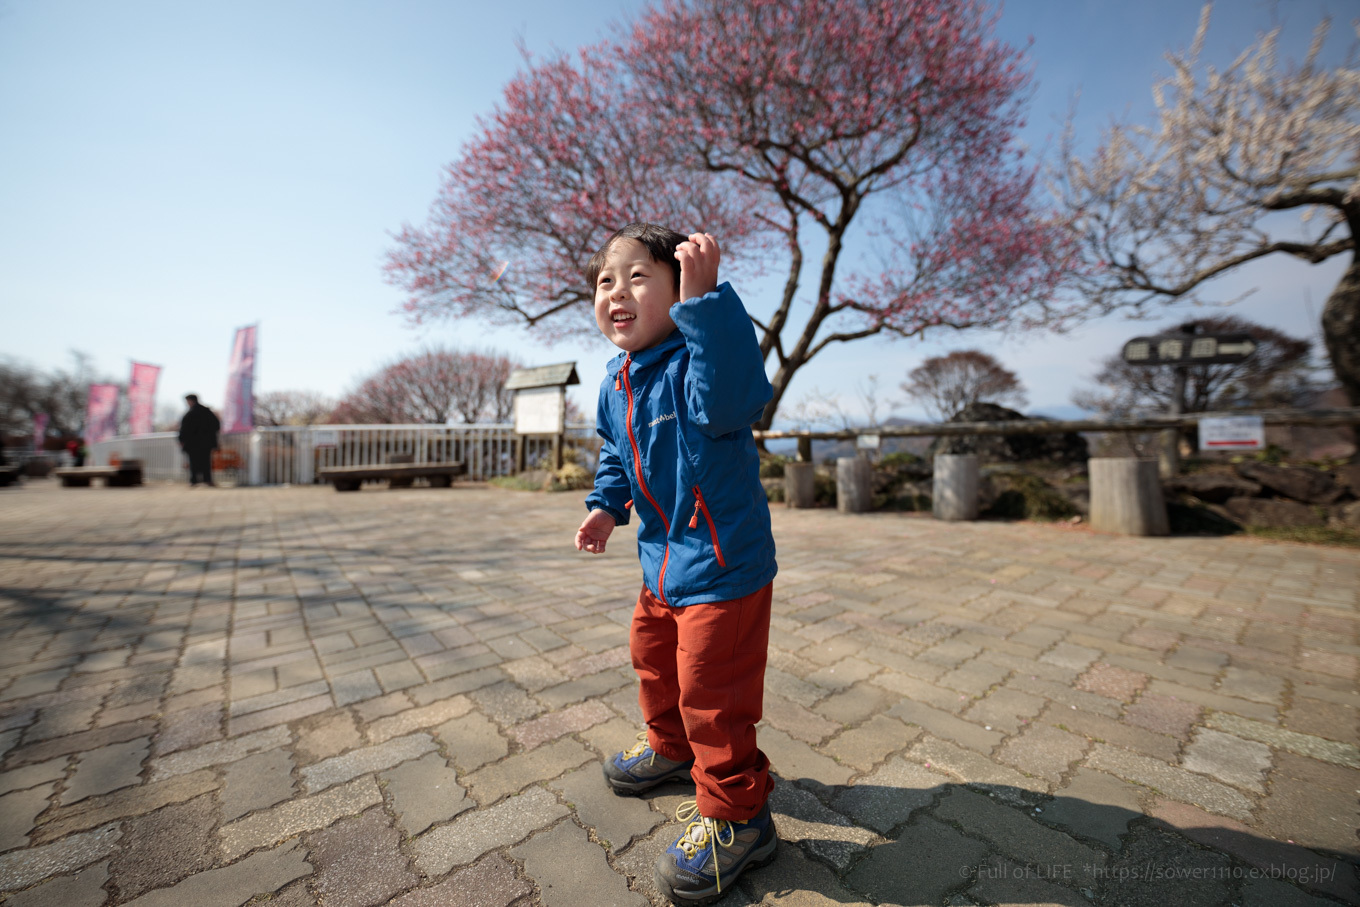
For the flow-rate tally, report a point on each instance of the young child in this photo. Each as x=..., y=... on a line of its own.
x=675, y=413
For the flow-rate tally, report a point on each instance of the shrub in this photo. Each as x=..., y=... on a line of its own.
x=772, y=466
x=1028, y=497
x=572, y=477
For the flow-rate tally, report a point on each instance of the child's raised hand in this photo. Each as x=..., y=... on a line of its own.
x=594, y=532
x=698, y=265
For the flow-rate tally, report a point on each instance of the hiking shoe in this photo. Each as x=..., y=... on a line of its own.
x=642, y=768
x=711, y=855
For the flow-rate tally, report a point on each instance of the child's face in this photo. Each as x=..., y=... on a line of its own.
x=633, y=297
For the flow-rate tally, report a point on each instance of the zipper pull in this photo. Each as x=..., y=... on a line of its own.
x=618, y=383
x=628, y=505
x=694, y=520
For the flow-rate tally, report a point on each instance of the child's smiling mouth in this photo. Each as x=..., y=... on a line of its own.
x=623, y=317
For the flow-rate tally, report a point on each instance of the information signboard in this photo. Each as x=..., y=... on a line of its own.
x=1232, y=433
x=540, y=411
x=1189, y=349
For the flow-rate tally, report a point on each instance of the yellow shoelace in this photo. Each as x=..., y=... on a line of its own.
x=639, y=747
x=711, y=831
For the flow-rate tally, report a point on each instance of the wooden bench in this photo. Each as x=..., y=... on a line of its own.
x=399, y=475
x=8, y=475
x=124, y=475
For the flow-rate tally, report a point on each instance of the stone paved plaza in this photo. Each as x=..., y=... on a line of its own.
x=299, y=697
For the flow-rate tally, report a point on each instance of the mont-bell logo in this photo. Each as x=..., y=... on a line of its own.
x=659, y=419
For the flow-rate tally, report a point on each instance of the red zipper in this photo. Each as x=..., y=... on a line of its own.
x=701, y=507
x=642, y=483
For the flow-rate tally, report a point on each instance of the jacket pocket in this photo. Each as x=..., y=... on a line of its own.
x=701, y=507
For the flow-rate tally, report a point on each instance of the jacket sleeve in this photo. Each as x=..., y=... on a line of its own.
x=725, y=387
x=612, y=490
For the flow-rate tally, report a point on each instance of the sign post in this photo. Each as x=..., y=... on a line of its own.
x=1180, y=351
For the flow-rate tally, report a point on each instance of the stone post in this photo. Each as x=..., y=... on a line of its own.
x=1126, y=496
x=799, y=487
x=955, y=492
x=854, y=485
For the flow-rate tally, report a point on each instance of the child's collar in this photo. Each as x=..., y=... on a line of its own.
x=648, y=356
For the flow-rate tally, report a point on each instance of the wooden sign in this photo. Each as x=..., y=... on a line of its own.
x=1189, y=349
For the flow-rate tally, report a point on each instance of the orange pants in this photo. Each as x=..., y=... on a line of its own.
x=702, y=669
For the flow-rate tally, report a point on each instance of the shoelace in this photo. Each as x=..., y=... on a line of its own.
x=638, y=748
x=711, y=834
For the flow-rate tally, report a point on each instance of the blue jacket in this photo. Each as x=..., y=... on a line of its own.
x=676, y=423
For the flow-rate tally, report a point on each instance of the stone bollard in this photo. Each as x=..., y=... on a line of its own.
x=854, y=485
x=1126, y=496
x=799, y=488
x=956, y=487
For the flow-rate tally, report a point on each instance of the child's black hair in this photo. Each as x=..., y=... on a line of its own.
x=660, y=243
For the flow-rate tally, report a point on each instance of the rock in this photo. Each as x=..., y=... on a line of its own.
x=1312, y=486
x=1345, y=516
x=1263, y=512
x=1067, y=447
x=1214, y=487
x=1348, y=477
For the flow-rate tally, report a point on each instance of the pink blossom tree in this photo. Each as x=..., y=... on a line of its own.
x=878, y=133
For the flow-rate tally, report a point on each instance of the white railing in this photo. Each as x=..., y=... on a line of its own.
x=292, y=455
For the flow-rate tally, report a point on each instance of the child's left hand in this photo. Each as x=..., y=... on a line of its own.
x=698, y=265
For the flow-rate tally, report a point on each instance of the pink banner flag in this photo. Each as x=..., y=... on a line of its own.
x=39, y=431
x=238, y=414
x=101, y=415
x=142, y=398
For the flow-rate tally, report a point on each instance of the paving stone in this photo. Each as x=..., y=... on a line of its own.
x=596, y=686
x=358, y=862
x=943, y=724
x=245, y=724
x=1176, y=782
x=616, y=820
x=264, y=829
x=1164, y=714
x=80, y=743
x=1322, y=719
x=923, y=863
x=339, y=769
x=492, y=782
x=472, y=741
x=60, y=720
x=474, y=833
x=18, y=811
x=792, y=880
x=326, y=735
x=371, y=710
x=1043, y=750
x=83, y=889
x=1015, y=833
x=571, y=871
x=557, y=724
x=1229, y=759
x=1094, y=805
x=1277, y=858
x=1303, y=744
x=164, y=847
x=417, y=719
x=505, y=704
x=1061, y=691
x=870, y=743
x=1112, y=682
x=256, y=782
x=888, y=797
x=22, y=868
x=1312, y=816
x=1267, y=892
x=219, y=753
x=131, y=801
x=978, y=771
x=1005, y=709
x=490, y=882
x=424, y=792
x=106, y=769
x=797, y=721
x=1323, y=774
x=797, y=761
x=920, y=691
x=33, y=775
x=1106, y=730
x=230, y=886
x=1156, y=869
x=354, y=687
x=189, y=727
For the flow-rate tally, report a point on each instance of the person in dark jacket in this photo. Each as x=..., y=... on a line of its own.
x=198, y=439
x=675, y=413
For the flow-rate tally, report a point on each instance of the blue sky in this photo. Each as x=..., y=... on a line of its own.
x=170, y=171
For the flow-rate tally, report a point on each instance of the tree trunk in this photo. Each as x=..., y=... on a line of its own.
x=1341, y=331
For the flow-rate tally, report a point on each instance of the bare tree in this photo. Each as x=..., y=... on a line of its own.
x=292, y=408
x=432, y=385
x=946, y=384
x=1161, y=210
